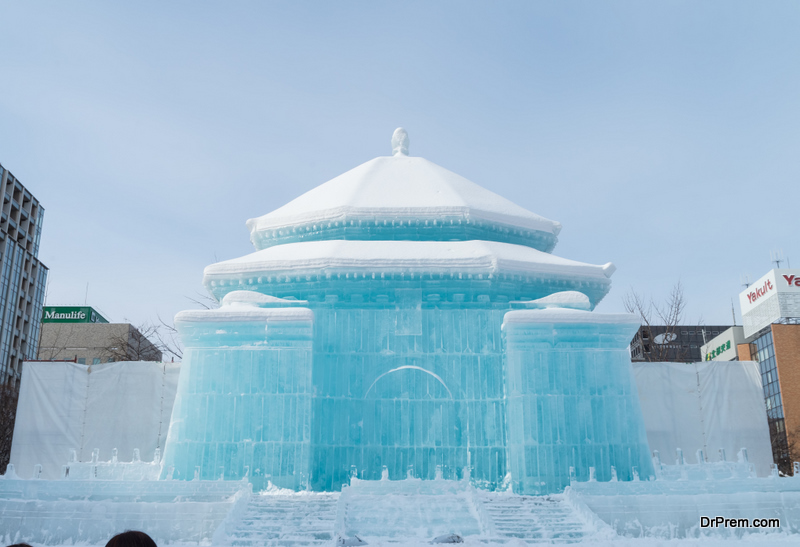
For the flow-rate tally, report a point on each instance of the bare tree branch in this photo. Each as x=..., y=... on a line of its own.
x=53, y=341
x=165, y=333
x=168, y=339
x=133, y=344
x=666, y=318
x=204, y=300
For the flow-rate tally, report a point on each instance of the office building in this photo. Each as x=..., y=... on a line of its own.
x=22, y=278
x=82, y=334
x=771, y=336
x=724, y=347
x=679, y=343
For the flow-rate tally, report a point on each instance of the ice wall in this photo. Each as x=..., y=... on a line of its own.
x=571, y=397
x=411, y=383
x=243, y=406
x=408, y=386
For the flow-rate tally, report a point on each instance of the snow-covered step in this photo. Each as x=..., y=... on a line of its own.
x=409, y=510
x=284, y=520
x=536, y=519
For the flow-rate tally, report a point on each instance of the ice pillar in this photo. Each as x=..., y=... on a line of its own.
x=571, y=398
x=243, y=406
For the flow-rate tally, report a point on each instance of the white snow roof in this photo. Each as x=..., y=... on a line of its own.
x=565, y=299
x=341, y=256
x=245, y=313
x=252, y=298
x=404, y=187
x=564, y=315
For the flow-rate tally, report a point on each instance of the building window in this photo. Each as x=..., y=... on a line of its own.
x=82, y=361
x=96, y=361
x=763, y=351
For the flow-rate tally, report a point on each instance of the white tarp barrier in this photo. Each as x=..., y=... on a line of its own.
x=708, y=406
x=64, y=406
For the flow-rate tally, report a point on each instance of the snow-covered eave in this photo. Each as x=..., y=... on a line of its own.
x=403, y=261
x=327, y=268
x=563, y=315
x=376, y=259
x=253, y=298
x=445, y=215
x=245, y=313
x=497, y=270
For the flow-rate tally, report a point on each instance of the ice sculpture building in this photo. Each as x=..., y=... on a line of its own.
x=401, y=319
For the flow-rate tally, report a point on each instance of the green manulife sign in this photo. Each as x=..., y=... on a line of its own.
x=71, y=314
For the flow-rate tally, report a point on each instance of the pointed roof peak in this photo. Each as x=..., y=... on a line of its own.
x=400, y=142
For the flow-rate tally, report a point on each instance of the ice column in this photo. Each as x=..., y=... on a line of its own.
x=571, y=398
x=243, y=405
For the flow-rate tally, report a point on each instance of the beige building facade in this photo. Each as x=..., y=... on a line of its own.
x=94, y=343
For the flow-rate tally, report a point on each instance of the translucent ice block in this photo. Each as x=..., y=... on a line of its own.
x=571, y=397
x=243, y=406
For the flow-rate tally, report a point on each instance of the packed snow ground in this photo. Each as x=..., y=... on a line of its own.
x=751, y=541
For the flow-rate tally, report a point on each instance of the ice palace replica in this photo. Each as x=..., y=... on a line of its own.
x=401, y=360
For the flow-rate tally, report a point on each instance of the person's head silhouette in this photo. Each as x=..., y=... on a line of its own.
x=131, y=538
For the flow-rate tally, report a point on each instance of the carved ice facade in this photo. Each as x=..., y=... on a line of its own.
x=402, y=318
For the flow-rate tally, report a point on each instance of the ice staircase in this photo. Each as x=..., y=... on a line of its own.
x=539, y=519
x=283, y=520
x=408, y=511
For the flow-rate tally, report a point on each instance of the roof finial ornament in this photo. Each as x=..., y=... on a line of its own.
x=400, y=142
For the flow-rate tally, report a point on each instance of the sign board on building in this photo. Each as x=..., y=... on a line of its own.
x=71, y=314
x=723, y=347
x=775, y=296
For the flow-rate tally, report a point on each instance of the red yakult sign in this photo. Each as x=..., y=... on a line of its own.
x=774, y=283
x=760, y=291
x=791, y=280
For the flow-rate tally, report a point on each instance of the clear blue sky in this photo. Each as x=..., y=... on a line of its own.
x=664, y=136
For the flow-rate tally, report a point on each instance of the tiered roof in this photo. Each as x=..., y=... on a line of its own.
x=406, y=216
